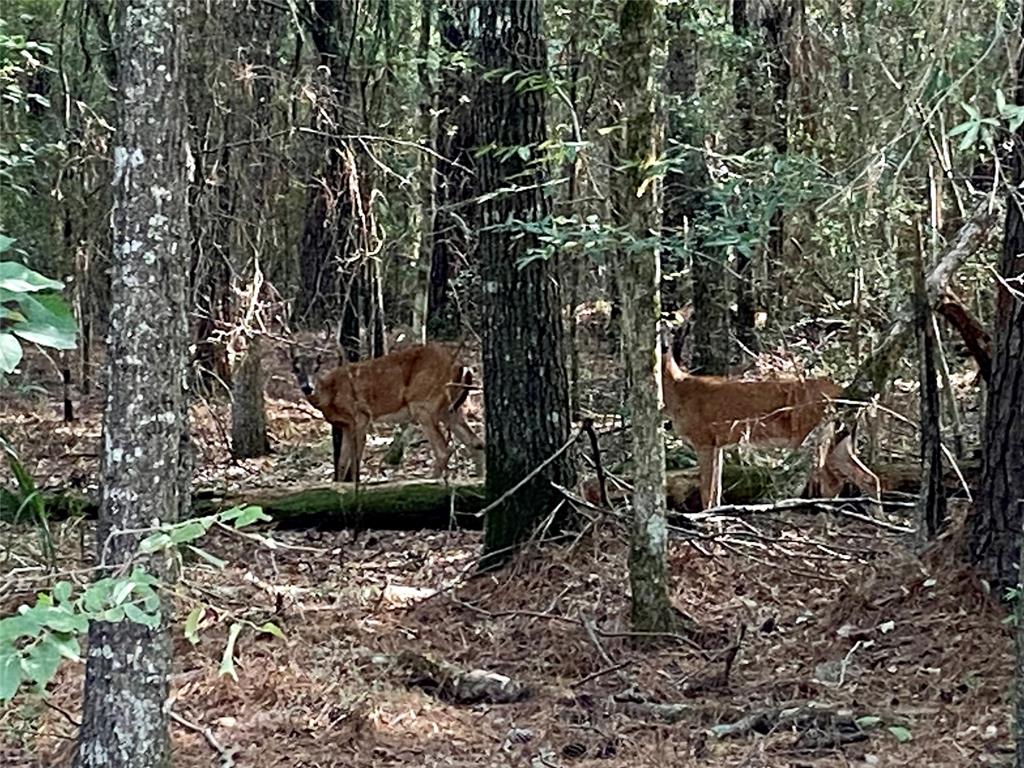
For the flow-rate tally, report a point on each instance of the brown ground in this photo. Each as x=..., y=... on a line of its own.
x=837, y=612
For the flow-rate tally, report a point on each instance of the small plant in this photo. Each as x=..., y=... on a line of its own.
x=31, y=309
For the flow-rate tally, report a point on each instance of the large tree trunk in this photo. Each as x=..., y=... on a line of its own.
x=453, y=177
x=526, y=388
x=995, y=540
x=639, y=275
x=145, y=457
x=330, y=284
x=686, y=203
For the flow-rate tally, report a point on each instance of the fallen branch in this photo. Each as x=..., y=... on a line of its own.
x=451, y=683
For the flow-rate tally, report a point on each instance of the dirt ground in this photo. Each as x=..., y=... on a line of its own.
x=837, y=612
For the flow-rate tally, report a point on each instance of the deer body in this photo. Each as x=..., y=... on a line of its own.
x=714, y=412
x=424, y=384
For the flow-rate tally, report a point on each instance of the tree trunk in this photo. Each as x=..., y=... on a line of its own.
x=746, y=140
x=639, y=275
x=145, y=455
x=425, y=176
x=526, y=388
x=248, y=411
x=326, y=290
x=453, y=177
x=686, y=204
x=931, y=500
x=995, y=540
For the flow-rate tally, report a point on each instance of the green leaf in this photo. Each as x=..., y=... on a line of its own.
x=189, y=531
x=272, y=629
x=523, y=152
x=868, y=721
x=62, y=591
x=10, y=353
x=41, y=660
x=62, y=620
x=962, y=128
x=1000, y=100
x=902, y=734
x=192, y=623
x=16, y=627
x=227, y=660
x=970, y=137
x=216, y=562
x=122, y=591
x=113, y=615
x=155, y=542
x=250, y=515
x=133, y=613
x=5, y=242
x=67, y=646
x=10, y=670
x=48, y=322
x=20, y=279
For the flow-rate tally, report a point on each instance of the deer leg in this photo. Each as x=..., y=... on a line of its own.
x=843, y=463
x=337, y=439
x=461, y=431
x=709, y=463
x=438, y=442
x=357, y=445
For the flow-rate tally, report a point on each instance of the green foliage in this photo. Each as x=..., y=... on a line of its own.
x=1008, y=118
x=35, y=639
x=28, y=498
x=30, y=309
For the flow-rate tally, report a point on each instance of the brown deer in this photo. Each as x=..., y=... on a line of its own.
x=424, y=384
x=714, y=412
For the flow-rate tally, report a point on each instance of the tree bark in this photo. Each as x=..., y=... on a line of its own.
x=687, y=205
x=248, y=410
x=639, y=275
x=931, y=500
x=145, y=457
x=995, y=528
x=526, y=388
x=453, y=177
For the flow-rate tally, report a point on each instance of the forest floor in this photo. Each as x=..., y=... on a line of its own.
x=838, y=612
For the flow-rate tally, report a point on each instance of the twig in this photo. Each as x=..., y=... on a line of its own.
x=227, y=756
x=532, y=474
x=588, y=427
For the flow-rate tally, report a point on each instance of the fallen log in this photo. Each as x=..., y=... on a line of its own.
x=402, y=505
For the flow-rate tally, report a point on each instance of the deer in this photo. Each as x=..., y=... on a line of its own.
x=425, y=384
x=714, y=412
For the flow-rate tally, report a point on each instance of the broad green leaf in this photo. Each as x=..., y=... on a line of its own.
x=10, y=314
x=41, y=660
x=122, y=591
x=113, y=615
x=868, y=721
x=272, y=629
x=16, y=627
x=97, y=594
x=971, y=110
x=20, y=279
x=5, y=242
x=48, y=322
x=192, y=623
x=10, y=671
x=133, y=613
x=62, y=620
x=523, y=152
x=227, y=660
x=251, y=515
x=62, y=591
x=67, y=646
x=902, y=734
x=10, y=352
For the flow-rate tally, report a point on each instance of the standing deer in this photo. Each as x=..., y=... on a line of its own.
x=714, y=412
x=424, y=384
